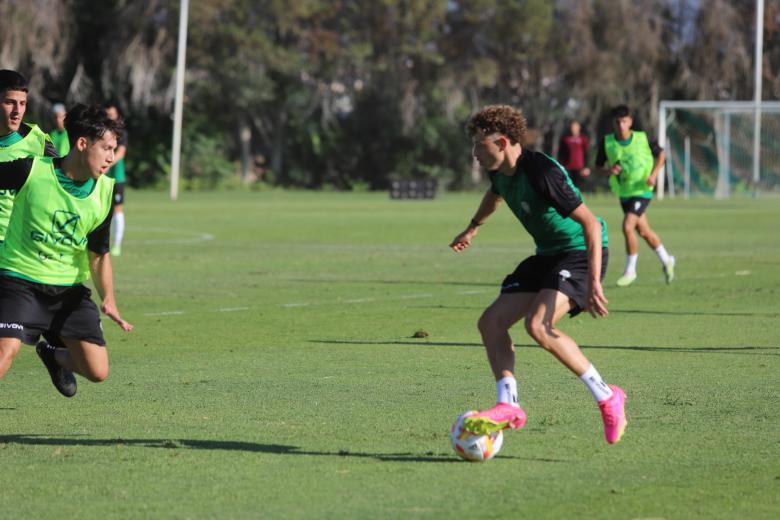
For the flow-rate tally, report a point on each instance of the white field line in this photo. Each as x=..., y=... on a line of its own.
x=294, y=305
x=181, y=236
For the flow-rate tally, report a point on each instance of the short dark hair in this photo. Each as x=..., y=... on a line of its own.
x=12, y=80
x=90, y=122
x=113, y=103
x=499, y=118
x=621, y=111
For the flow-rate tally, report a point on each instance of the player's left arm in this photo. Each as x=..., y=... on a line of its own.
x=103, y=278
x=102, y=272
x=597, y=302
x=551, y=182
x=659, y=159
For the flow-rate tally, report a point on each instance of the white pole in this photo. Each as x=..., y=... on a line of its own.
x=727, y=151
x=662, y=144
x=687, y=168
x=757, y=94
x=179, y=101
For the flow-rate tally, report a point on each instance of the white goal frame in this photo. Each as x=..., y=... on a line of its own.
x=723, y=109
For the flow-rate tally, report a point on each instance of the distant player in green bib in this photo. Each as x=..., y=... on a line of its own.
x=117, y=172
x=57, y=238
x=58, y=134
x=17, y=139
x=633, y=161
x=564, y=276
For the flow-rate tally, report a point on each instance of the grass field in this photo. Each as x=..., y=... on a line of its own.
x=273, y=372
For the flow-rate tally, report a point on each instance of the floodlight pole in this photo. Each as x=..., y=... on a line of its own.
x=179, y=99
x=757, y=95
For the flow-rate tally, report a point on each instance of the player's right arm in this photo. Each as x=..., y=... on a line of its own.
x=602, y=164
x=490, y=203
x=13, y=174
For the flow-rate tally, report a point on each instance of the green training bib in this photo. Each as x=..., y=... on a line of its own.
x=636, y=164
x=31, y=145
x=46, y=240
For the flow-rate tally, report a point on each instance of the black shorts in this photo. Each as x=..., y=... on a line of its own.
x=29, y=309
x=635, y=205
x=119, y=193
x=565, y=272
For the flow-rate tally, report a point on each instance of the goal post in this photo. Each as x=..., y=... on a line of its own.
x=710, y=148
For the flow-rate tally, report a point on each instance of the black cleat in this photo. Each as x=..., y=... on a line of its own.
x=62, y=378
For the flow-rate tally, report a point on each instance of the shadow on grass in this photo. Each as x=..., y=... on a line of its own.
x=392, y=282
x=698, y=313
x=251, y=447
x=755, y=351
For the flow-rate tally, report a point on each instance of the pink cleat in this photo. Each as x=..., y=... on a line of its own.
x=613, y=414
x=500, y=417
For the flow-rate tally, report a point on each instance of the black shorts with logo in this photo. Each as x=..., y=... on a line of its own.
x=565, y=272
x=635, y=205
x=119, y=193
x=29, y=309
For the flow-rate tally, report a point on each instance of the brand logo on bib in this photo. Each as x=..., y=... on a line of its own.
x=64, y=223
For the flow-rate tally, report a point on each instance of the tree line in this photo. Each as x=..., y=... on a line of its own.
x=349, y=94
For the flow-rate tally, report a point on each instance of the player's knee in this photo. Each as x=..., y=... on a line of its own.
x=484, y=323
x=8, y=351
x=537, y=329
x=96, y=374
x=489, y=322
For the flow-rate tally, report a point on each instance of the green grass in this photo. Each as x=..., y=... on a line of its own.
x=273, y=372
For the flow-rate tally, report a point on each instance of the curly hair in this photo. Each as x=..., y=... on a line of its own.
x=499, y=118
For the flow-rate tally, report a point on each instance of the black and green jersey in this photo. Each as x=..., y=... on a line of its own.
x=29, y=141
x=542, y=196
x=54, y=222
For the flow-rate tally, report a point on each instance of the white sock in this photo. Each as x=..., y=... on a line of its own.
x=507, y=390
x=631, y=263
x=118, y=228
x=662, y=254
x=595, y=384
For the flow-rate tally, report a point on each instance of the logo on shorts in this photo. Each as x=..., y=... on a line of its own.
x=564, y=274
x=637, y=205
x=525, y=207
x=63, y=223
x=15, y=326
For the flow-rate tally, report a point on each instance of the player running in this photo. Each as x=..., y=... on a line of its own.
x=634, y=163
x=117, y=172
x=564, y=276
x=58, y=236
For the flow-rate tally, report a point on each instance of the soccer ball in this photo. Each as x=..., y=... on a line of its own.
x=474, y=448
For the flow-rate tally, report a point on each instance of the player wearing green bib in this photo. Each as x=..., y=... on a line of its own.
x=59, y=136
x=633, y=162
x=564, y=276
x=117, y=172
x=17, y=139
x=58, y=237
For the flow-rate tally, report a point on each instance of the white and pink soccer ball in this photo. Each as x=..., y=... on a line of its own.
x=474, y=448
